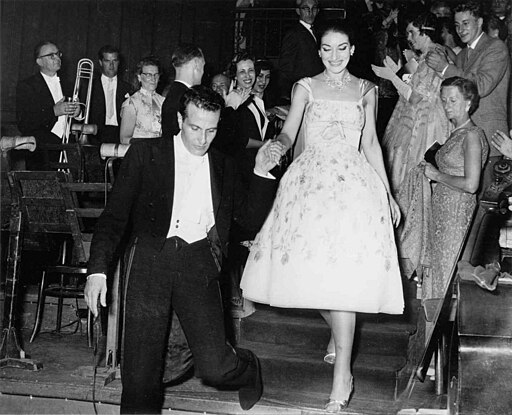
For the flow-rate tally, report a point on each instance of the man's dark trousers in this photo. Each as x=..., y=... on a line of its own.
x=184, y=277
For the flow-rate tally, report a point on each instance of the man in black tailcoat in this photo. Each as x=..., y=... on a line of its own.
x=179, y=198
x=188, y=62
x=41, y=109
x=107, y=97
x=299, y=51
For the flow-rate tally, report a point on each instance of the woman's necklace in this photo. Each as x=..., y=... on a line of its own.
x=338, y=84
x=462, y=125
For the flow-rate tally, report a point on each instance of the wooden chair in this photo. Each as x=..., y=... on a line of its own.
x=37, y=196
x=83, y=204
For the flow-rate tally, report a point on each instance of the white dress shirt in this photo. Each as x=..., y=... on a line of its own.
x=308, y=26
x=110, y=87
x=475, y=42
x=192, y=210
x=258, y=113
x=53, y=83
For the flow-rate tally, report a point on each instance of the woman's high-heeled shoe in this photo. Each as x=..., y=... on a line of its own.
x=330, y=358
x=334, y=406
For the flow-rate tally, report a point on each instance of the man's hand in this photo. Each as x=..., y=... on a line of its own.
x=66, y=108
x=269, y=156
x=436, y=60
x=502, y=142
x=95, y=287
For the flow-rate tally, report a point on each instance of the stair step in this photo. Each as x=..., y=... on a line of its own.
x=375, y=333
x=293, y=368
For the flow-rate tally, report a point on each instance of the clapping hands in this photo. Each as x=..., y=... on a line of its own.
x=437, y=60
x=237, y=97
x=387, y=71
x=502, y=142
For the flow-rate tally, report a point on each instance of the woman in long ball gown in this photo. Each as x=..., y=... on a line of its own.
x=456, y=180
x=418, y=119
x=328, y=242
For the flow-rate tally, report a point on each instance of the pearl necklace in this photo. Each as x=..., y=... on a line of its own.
x=338, y=84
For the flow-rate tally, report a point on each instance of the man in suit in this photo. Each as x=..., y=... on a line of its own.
x=188, y=62
x=179, y=198
x=486, y=62
x=107, y=96
x=41, y=109
x=299, y=51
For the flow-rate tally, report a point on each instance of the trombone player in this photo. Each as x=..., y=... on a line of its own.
x=41, y=107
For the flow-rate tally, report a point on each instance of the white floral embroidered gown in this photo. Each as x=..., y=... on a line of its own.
x=328, y=240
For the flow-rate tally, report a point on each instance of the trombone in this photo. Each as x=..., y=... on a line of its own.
x=84, y=75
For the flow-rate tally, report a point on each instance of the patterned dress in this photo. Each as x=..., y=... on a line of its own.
x=148, y=111
x=328, y=240
x=413, y=128
x=452, y=211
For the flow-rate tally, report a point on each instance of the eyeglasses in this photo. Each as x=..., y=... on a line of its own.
x=52, y=55
x=313, y=9
x=148, y=75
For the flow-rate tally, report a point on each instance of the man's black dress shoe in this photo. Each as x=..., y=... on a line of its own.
x=250, y=394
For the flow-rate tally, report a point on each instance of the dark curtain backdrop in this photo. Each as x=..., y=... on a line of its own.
x=80, y=27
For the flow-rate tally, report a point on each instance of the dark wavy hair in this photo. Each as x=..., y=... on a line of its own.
x=336, y=26
x=107, y=49
x=202, y=97
x=467, y=88
x=262, y=65
x=428, y=24
x=239, y=57
x=472, y=6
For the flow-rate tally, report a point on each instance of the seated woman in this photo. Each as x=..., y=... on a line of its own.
x=455, y=182
x=141, y=112
x=418, y=119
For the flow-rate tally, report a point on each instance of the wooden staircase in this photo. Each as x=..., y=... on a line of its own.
x=291, y=345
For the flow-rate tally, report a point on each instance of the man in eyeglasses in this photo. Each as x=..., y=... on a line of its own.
x=41, y=108
x=299, y=51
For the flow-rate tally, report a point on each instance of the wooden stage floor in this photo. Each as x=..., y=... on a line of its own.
x=64, y=386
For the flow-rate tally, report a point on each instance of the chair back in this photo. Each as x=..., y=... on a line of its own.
x=39, y=196
x=84, y=204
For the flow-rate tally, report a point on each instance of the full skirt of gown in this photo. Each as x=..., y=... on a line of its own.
x=328, y=240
